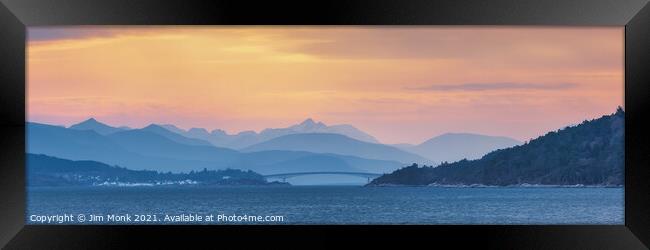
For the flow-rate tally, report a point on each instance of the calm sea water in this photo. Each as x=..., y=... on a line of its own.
x=333, y=204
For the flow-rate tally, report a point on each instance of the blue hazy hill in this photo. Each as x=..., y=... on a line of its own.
x=156, y=129
x=308, y=163
x=152, y=144
x=282, y=161
x=370, y=165
x=139, y=149
x=451, y=147
x=247, y=138
x=275, y=161
x=103, y=129
x=94, y=125
x=55, y=140
x=336, y=144
x=89, y=145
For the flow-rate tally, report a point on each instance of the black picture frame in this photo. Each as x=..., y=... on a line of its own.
x=16, y=15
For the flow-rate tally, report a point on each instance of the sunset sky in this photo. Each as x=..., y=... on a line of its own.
x=401, y=84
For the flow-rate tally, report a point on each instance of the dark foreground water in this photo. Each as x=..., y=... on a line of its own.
x=324, y=205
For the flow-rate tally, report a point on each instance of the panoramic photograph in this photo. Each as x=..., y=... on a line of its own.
x=347, y=125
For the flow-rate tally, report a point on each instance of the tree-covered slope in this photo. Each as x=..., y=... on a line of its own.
x=591, y=153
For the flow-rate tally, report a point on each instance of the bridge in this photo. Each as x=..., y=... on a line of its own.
x=285, y=176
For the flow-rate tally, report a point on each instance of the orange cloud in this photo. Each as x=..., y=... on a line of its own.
x=394, y=82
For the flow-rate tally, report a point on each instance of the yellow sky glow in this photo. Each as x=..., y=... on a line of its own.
x=400, y=84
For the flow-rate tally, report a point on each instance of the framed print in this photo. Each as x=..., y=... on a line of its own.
x=517, y=124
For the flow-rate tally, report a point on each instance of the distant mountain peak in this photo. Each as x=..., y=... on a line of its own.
x=153, y=126
x=89, y=121
x=308, y=125
x=308, y=121
x=246, y=138
x=169, y=134
x=157, y=128
x=93, y=124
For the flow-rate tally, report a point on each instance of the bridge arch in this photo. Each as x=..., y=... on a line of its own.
x=285, y=176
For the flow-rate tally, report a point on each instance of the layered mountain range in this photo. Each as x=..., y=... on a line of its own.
x=244, y=139
x=309, y=146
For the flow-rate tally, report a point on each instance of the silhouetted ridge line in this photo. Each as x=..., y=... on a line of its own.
x=591, y=153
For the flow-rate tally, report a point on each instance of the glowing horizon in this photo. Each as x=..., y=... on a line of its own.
x=399, y=84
